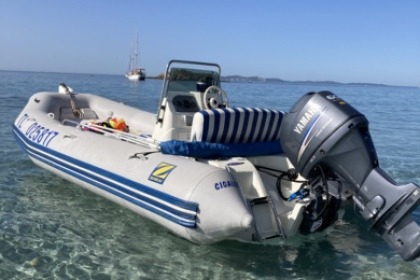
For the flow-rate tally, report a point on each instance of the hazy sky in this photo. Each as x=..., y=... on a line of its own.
x=344, y=41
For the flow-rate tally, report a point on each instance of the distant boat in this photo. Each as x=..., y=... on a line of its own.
x=135, y=73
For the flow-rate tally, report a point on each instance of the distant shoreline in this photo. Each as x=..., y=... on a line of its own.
x=260, y=80
x=239, y=79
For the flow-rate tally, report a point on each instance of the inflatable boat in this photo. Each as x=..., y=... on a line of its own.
x=209, y=172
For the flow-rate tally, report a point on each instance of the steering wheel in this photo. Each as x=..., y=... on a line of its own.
x=214, y=97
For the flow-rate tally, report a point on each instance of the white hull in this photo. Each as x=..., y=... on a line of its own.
x=136, y=76
x=192, y=201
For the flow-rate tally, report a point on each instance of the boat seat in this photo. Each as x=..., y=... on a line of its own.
x=230, y=132
x=236, y=125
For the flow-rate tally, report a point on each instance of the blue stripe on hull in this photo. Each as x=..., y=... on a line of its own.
x=113, y=183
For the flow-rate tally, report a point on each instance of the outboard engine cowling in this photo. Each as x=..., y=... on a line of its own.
x=322, y=131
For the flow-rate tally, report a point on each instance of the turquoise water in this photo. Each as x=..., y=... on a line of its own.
x=53, y=229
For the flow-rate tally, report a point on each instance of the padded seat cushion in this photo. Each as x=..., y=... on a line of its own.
x=236, y=125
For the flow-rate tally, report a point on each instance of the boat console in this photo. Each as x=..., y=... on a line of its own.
x=185, y=92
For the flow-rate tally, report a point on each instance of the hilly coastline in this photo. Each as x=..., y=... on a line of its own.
x=257, y=79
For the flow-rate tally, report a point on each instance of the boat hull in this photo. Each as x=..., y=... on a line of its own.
x=181, y=194
x=136, y=77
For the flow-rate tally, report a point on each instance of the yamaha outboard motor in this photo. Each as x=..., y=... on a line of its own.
x=323, y=132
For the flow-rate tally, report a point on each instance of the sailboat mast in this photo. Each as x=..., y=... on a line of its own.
x=137, y=49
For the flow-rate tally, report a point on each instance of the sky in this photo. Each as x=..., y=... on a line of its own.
x=364, y=41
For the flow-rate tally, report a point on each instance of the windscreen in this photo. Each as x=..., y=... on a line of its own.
x=182, y=79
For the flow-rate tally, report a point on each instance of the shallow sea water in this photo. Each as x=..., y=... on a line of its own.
x=53, y=229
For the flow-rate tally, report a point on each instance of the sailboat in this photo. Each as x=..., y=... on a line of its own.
x=135, y=73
